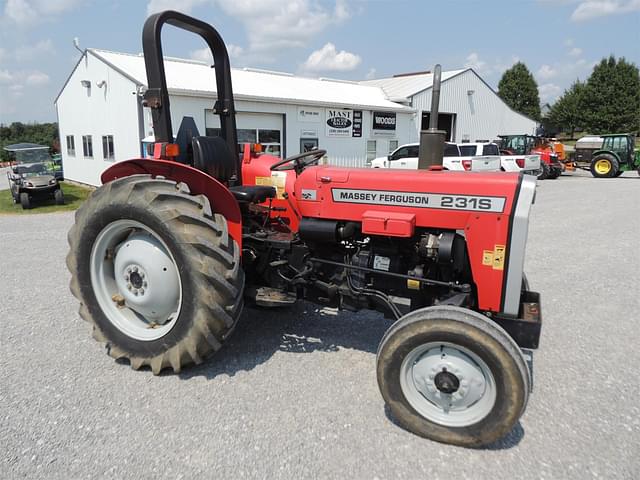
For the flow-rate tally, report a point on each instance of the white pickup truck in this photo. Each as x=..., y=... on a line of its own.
x=406, y=157
x=509, y=163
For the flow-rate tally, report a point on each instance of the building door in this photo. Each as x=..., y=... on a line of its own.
x=308, y=144
x=446, y=122
x=264, y=128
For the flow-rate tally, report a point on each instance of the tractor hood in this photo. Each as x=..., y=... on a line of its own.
x=346, y=194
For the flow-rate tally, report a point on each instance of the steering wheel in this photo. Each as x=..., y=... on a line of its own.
x=299, y=162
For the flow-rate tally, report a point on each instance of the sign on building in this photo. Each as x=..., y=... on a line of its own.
x=384, y=120
x=357, y=123
x=307, y=114
x=339, y=122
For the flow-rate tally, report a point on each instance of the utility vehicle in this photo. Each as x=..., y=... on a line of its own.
x=33, y=176
x=164, y=254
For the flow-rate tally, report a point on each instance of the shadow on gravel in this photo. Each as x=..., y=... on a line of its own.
x=302, y=328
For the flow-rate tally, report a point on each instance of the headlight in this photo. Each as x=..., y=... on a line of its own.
x=28, y=184
x=52, y=181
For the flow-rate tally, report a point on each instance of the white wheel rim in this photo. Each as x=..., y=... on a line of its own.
x=475, y=392
x=135, y=280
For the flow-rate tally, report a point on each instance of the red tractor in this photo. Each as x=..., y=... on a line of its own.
x=164, y=254
x=551, y=166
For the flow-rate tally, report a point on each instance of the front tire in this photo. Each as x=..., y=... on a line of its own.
x=451, y=375
x=59, y=197
x=25, y=201
x=544, y=171
x=156, y=273
x=554, y=173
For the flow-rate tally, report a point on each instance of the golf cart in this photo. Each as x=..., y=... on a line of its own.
x=34, y=175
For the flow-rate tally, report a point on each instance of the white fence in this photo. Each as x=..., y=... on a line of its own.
x=355, y=161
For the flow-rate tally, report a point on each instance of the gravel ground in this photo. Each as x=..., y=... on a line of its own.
x=294, y=395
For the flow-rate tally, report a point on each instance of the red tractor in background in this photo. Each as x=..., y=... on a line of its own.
x=164, y=254
x=551, y=166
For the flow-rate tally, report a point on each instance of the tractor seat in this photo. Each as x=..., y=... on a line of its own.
x=253, y=193
x=212, y=156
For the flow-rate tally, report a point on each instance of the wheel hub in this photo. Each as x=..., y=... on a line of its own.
x=136, y=280
x=448, y=384
x=146, y=277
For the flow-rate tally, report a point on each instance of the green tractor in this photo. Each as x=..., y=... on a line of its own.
x=610, y=157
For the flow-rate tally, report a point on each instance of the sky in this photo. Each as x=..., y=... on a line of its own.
x=558, y=40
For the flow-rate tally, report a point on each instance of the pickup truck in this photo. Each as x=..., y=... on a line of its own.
x=406, y=157
x=509, y=163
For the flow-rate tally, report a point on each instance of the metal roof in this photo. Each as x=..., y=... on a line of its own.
x=406, y=86
x=190, y=77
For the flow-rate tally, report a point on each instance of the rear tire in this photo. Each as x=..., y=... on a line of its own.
x=25, y=201
x=484, y=384
x=544, y=171
x=59, y=197
x=604, y=165
x=206, y=269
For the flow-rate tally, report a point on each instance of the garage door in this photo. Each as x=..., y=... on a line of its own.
x=263, y=128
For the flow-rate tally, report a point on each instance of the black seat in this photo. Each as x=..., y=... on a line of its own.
x=253, y=193
x=212, y=156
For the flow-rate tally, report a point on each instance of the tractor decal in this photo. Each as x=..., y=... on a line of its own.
x=471, y=203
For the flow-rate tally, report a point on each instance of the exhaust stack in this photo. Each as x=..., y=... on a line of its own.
x=432, y=140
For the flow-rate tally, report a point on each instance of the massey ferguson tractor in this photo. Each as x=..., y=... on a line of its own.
x=165, y=253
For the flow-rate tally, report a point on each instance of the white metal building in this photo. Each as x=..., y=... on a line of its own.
x=101, y=119
x=470, y=110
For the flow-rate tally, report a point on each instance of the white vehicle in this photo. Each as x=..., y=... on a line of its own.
x=406, y=157
x=509, y=163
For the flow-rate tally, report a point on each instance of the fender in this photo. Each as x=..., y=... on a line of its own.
x=221, y=199
x=610, y=152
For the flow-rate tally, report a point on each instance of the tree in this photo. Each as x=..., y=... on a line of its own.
x=610, y=102
x=566, y=113
x=40, y=133
x=519, y=90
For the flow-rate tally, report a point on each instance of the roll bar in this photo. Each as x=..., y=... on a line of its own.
x=157, y=95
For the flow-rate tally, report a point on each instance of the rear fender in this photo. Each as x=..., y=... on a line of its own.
x=609, y=152
x=221, y=199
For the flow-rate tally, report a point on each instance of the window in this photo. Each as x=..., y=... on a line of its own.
x=246, y=135
x=87, y=146
x=467, y=150
x=71, y=145
x=371, y=150
x=107, y=147
x=490, y=149
x=393, y=144
x=451, y=150
x=400, y=153
x=414, y=151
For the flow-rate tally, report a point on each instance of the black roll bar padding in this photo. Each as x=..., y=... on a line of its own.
x=157, y=95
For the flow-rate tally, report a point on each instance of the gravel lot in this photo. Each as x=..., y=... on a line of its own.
x=294, y=395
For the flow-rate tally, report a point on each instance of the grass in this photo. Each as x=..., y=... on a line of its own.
x=74, y=195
